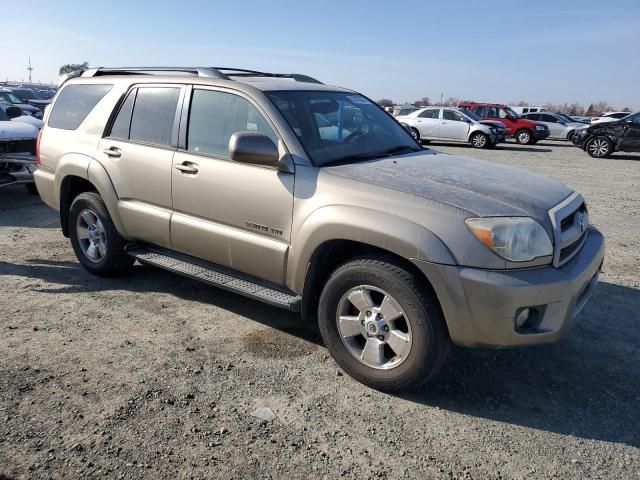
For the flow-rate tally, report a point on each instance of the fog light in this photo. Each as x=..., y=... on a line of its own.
x=522, y=318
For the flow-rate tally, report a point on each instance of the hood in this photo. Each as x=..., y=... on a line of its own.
x=29, y=120
x=17, y=131
x=478, y=187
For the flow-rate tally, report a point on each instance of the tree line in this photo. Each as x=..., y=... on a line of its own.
x=568, y=108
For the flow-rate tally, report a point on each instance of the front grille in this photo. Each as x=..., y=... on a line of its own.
x=570, y=221
x=18, y=146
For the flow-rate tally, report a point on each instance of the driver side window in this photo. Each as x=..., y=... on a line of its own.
x=451, y=115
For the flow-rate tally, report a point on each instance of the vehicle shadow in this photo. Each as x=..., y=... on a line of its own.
x=536, y=149
x=63, y=277
x=585, y=385
x=622, y=156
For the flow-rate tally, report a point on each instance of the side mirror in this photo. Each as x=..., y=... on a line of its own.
x=253, y=147
x=14, y=112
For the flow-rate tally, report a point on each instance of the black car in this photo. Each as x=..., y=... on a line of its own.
x=10, y=97
x=602, y=139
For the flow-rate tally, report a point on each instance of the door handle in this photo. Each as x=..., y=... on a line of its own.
x=112, y=152
x=187, y=167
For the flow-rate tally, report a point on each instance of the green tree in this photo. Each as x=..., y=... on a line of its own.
x=72, y=67
x=422, y=102
x=385, y=102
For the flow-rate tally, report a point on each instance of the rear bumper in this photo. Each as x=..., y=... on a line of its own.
x=480, y=305
x=46, y=184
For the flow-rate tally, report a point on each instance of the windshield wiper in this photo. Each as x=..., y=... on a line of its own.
x=372, y=156
x=400, y=149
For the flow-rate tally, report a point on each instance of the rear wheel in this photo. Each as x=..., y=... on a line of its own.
x=415, y=134
x=479, y=140
x=524, y=137
x=95, y=240
x=381, y=325
x=599, y=147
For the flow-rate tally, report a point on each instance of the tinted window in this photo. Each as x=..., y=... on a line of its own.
x=548, y=118
x=620, y=115
x=451, y=115
x=154, y=115
x=216, y=116
x=636, y=119
x=481, y=111
x=433, y=113
x=74, y=104
x=533, y=116
x=493, y=112
x=122, y=123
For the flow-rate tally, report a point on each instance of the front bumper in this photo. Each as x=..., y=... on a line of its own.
x=480, y=305
x=16, y=168
x=579, y=137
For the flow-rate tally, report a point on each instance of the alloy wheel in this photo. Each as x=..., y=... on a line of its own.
x=599, y=147
x=374, y=327
x=92, y=236
x=479, y=140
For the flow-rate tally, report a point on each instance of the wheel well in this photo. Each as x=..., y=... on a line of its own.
x=71, y=187
x=329, y=256
x=523, y=129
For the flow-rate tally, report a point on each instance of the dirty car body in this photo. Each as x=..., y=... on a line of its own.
x=316, y=200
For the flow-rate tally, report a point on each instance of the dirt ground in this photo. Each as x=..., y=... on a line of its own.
x=157, y=376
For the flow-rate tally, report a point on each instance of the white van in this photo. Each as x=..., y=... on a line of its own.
x=523, y=110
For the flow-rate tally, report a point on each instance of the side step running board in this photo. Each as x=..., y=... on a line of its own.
x=216, y=276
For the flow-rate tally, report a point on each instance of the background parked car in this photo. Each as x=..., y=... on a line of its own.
x=402, y=110
x=452, y=124
x=521, y=110
x=17, y=151
x=30, y=97
x=12, y=113
x=523, y=130
x=602, y=139
x=570, y=119
x=558, y=126
x=609, y=117
x=10, y=97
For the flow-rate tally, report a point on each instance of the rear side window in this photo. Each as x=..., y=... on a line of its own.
x=216, y=116
x=433, y=113
x=74, y=103
x=154, y=115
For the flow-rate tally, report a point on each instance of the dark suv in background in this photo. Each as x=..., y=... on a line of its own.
x=602, y=139
x=524, y=131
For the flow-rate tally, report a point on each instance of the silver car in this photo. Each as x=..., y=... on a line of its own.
x=453, y=124
x=559, y=127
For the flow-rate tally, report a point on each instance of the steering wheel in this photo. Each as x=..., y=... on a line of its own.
x=361, y=132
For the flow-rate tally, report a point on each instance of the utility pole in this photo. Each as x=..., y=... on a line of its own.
x=30, y=68
x=441, y=95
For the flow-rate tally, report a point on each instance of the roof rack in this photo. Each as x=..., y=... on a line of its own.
x=208, y=72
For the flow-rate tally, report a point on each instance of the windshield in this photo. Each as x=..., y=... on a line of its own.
x=512, y=112
x=470, y=114
x=341, y=127
x=10, y=97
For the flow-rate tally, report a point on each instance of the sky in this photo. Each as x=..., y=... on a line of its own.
x=492, y=50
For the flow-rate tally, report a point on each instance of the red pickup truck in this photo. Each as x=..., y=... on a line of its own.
x=523, y=130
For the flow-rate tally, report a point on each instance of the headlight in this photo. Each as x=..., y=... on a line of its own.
x=540, y=127
x=517, y=239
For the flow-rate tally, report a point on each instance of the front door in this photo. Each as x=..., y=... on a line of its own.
x=234, y=214
x=630, y=140
x=137, y=152
x=453, y=126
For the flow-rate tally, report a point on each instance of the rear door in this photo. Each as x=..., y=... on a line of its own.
x=556, y=129
x=453, y=126
x=428, y=123
x=137, y=152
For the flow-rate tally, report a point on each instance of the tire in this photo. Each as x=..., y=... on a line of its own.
x=88, y=216
x=415, y=134
x=428, y=340
x=31, y=188
x=570, y=135
x=524, y=137
x=479, y=140
x=599, y=147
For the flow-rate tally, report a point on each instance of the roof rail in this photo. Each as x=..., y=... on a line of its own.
x=207, y=72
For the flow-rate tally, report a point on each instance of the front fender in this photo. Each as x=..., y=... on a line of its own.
x=378, y=229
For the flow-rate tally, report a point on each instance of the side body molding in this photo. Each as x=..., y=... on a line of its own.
x=378, y=229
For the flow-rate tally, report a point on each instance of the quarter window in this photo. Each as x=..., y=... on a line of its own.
x=74, y=103
x=154, y=115
x=122, y=123
x=216, y=116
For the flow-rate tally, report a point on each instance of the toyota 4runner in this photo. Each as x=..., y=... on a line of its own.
x=314, y=199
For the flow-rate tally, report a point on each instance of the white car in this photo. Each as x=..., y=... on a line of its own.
x=453, y=124
x=558, y=126
x=609, y=117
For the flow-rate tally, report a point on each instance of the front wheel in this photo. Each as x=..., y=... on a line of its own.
x=415, y=134
x=479, y=140
x=381, y=325
x=94, y=238
x=523, y=137
x=599, y=147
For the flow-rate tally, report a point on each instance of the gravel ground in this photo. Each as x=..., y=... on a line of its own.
x=156, y=376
